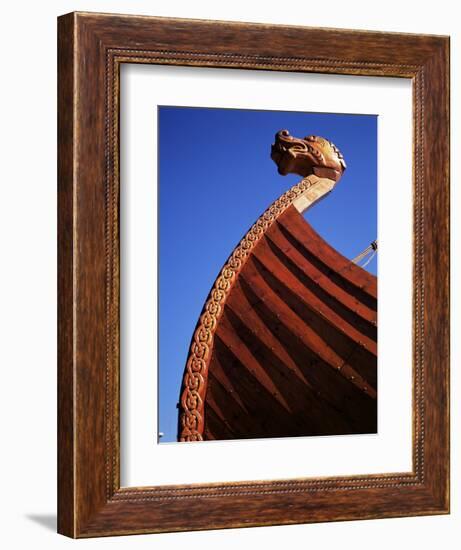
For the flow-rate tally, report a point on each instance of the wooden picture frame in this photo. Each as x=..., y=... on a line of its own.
x=91, y=49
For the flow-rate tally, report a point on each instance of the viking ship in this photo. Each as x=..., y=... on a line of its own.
x=286, y=344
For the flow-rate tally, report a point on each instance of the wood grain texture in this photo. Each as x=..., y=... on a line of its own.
x=91, y=48
x=286, y=361
x=66, y=298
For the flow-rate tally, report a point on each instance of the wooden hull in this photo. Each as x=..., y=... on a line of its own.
x=293, y=349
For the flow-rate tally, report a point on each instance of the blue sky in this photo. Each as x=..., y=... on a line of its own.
x=215, y=179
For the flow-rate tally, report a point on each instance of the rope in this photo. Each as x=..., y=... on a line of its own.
x=369, y=259
x=371, y=249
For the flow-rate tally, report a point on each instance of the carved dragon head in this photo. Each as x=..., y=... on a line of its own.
x=310, y=155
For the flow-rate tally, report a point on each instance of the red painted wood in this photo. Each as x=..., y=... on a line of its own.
x=295, y=351
x=342, y=301
x=355, y=279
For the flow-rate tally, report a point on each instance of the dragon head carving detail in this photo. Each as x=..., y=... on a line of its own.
x=310, y=155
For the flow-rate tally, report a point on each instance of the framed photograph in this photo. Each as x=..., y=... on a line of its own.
x=253, y=258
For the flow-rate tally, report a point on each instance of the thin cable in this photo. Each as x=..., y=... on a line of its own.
x=370, y=258
x=372, y=248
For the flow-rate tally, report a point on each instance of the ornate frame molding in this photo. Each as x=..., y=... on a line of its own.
x=91, y=48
